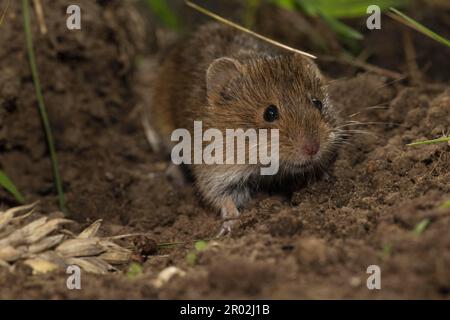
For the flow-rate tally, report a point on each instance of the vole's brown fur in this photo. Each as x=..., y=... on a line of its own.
x=226, y=79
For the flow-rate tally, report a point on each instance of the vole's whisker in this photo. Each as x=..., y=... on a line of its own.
x=334, y=81
x=390, y=83
x=368, y=133
x=358, y=123
x=345, y=133
x=382, y=106
x=341, y=142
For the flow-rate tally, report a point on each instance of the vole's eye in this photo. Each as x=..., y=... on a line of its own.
x=317, y=103
x=271, y=113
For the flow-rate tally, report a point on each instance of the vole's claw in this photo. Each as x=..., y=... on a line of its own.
x=230, y=215
x=227, y=228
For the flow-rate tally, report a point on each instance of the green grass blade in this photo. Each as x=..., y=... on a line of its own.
x=351, y=8
x=446, y=205
x=434, y=141
x=387, y=251
x=134, y=270
x=346, y=8
x=420, y=27
x=41, y=104
x=6, y=183
x=341, y=28
x=165, y=13
x=286, y=4
x=250, y=10
x=421, y=227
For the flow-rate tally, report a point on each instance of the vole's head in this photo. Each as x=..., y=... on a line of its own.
x=283, y=92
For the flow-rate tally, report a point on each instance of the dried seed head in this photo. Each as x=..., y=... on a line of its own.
x=90, y=231
x=11, y=254
x=92, y=265
x=8, y=215
x=46, y=243
x=41, y=266
x=34, y=242
x=80, y=248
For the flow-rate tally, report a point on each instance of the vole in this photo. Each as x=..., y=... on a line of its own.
x=228, y=80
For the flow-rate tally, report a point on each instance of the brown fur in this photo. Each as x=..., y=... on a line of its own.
x=254, y=76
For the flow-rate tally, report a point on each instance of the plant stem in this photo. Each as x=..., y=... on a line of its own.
x=2, y=17
x=6, y=183
x=446, y=205
x=439, y=140
x=173, y=244
x=410, y=22
x=241, y=28
x=41, y=104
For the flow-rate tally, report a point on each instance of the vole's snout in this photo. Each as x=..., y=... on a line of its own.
x=310, y=147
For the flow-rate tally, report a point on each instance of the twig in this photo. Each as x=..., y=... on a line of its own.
x=410, y=56
x=41, y=104
x=40, y=16
x=241, y=28
x=173, y=244
x=129, y=235
x=2, y=17
x=365, y=66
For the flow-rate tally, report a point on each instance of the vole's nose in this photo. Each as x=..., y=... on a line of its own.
x=311, y=147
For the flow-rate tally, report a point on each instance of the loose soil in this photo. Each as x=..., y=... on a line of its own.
x=315, y=243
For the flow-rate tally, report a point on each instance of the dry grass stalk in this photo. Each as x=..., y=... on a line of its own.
x=241, y=28
x=40, y=16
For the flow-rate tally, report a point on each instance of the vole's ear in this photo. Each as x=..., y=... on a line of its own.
x=307, y=63
x=219, y=74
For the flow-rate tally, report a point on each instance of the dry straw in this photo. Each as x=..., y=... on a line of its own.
x=241, y=28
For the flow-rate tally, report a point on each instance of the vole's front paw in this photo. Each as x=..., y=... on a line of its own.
x=226, y=228
x=230, y=215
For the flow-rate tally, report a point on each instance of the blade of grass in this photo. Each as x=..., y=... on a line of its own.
x=163, y=11
x=341, y=28
x=439, y=140
x=250, y=9
x=41, y=104
x=446, y=205
x=410, y=22
x=421, y=227
x=286, y=4
x=332, y=10
x=387, y=251
x=6, y=183
x=346, y=8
